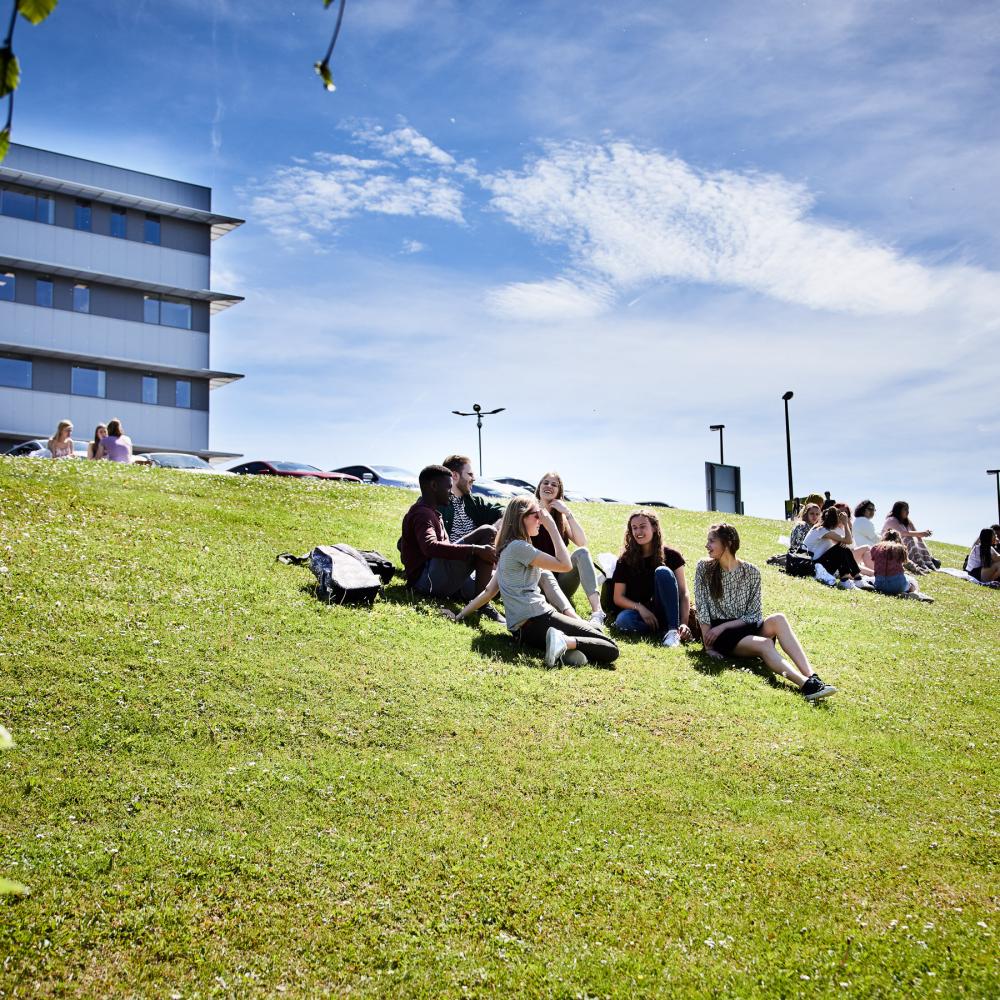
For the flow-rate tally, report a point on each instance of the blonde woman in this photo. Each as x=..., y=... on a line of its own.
x=550, y=493
x=530, y=618
x=60, y=445
x=808, y=519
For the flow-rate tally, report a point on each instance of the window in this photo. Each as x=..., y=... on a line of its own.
x=175, y=312
x=81, y=217
x=151, y=230
x=150, y=389
x=81, y=298
x=87, y=382
x=118, y=223
x=8, y=285
x=18, y=205
x=15, y=372
x=45, y=210
x=150, y=309
x=182, y=396
x=43, y=292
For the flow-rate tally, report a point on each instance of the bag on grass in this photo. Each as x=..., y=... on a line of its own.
x=343, y=574
x=800, y=563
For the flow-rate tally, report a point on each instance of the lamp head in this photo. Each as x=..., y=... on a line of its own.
x=476, y=407
x=788, y=395
x=716, y=427
x=993, y=472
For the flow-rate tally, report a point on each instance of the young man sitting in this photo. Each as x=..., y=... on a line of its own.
x=433, y=565
x=468, y=518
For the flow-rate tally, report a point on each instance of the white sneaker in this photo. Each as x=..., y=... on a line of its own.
x=847, y=585
x=575, y=658
x=555, y=647
x=672, y=639
x=597, y=619
x=825, y=576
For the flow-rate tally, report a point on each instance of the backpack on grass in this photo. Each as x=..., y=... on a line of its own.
x=343, y=574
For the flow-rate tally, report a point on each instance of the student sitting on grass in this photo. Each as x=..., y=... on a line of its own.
x=434, y=566
x=550, y=494
x=469, y=519
x=983, y=561
x=829, y=543
x=60, y=445
x=728, y=599
x=116, y=445
x=648, y=583
x=808, y=519
x=916, y=547
x=100, y=433
x=530, y=618
x=889, y=559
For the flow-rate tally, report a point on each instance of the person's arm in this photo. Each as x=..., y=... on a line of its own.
x=621, y=601
x=101, y=453
x=560, y=562
x=554, y=594
x=481, y=599
x=483, y=512
x=433, y=547
x=754, y=613
x=576, y=533
x=684, y=602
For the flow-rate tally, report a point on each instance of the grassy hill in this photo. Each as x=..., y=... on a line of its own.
x=222, y=788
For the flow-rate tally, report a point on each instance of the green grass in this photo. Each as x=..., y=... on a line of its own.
x=221, y=787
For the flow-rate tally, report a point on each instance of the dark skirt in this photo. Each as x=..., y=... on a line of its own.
x=729, y=639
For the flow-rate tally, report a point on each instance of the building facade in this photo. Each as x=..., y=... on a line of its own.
x=105, y=302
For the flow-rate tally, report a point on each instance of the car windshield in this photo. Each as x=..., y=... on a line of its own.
x=394, y=472
x=293, y=467
x=180, y=461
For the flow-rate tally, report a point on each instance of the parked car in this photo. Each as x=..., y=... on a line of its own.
x=652, y=503
x=499, y=491
x=179, y=460
x=39, y=448
x=298, y=470
x=382, y=475
x=523, y=483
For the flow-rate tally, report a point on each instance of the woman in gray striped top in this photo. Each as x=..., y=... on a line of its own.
x=727, y=595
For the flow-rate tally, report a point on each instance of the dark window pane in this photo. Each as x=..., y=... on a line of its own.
x=151, y=230
x=45, y=210
x=20, y=206
x=81, y=219
x=151, y=309
x=81, y=299
x=118, y=223
x=15, y=372
x=175, y=312
x=149, y=389
x=7, y=287
x=43, y=292
x=87, y=382
x=183, y=393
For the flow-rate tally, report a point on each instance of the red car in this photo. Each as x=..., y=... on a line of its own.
x=297, y=469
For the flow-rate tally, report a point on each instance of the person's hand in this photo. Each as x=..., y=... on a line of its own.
x=559, y=506
x=709, y=635
x=843, y=516
x=487, y=553
x=647, y=616
x=684, y=632
x=928, y=533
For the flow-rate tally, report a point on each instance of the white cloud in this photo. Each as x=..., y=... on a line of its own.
x=403, y=142
x=413, y=246
x=549, y=301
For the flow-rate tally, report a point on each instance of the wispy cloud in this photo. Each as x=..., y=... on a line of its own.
x=413, y=246
x=402, y=143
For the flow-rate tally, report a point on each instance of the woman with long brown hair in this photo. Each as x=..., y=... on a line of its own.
x=648, y=583
x=530, y=618
x=916, y=547
x=728, y=599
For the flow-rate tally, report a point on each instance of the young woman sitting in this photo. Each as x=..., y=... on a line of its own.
x=60, y=445
x=100, y=433
x=808, y=519
x=529, y=617
x=916, y=547
x=728, y=598
x=550, y=494
x=889, y=559
x=648, y=583
x=983, y=561
x=829, y=543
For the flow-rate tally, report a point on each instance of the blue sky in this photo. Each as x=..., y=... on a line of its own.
x=622, y=222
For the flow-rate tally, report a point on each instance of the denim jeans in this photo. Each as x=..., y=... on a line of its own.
x=897, y=584
x=666, y=605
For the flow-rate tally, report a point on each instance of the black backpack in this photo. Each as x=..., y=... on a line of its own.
x=343, y=574
x=800, y=563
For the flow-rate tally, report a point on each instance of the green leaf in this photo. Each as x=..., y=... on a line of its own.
x=36, y=10
x=11, y=70
x=8, y=888
x=326, y=76
x=326, y=3
x=6, y=740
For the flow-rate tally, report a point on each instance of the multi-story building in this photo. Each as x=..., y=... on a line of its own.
x=105, y=301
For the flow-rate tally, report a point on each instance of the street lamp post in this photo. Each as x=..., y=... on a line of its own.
x=996, y=472
x=720, y=428
x=788, y=446
x=478, y=412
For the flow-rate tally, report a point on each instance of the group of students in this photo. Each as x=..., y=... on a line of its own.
x=110, y=442
x=848, y=550
x=454, y=544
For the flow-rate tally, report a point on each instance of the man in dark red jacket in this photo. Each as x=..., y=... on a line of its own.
x=433, y=565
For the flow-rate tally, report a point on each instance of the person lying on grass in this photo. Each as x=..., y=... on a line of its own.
x=728, y=599
x=529, y=616
x=648, y=584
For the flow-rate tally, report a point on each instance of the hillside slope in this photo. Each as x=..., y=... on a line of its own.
x=221, y=787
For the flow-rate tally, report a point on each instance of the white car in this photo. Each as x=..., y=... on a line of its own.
x=179, y=460
x=39, y=448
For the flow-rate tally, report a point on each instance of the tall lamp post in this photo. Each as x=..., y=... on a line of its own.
x=996, y=472
x=788, y=446
x=478, y=412
x=720, y=428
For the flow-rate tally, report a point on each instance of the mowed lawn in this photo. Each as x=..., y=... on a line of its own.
x=223, y=788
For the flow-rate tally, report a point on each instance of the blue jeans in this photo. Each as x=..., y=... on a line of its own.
x=666, y=605
x=897, y=584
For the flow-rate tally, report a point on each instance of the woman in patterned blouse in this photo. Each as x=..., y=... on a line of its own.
x=808, y=519
x=727, y=597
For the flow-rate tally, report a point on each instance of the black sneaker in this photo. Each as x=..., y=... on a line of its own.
x=488, y=611
x=815, y=690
